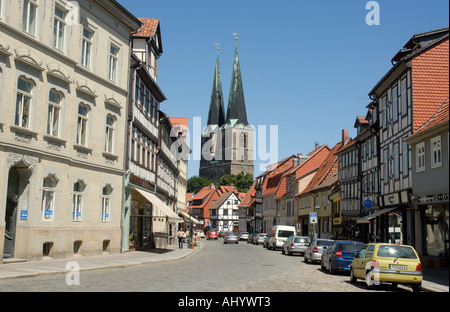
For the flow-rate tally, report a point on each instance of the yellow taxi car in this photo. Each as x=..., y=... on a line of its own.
x=382, y=262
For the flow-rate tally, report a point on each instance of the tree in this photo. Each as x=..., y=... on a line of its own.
x=195, y=184
x=242, y=182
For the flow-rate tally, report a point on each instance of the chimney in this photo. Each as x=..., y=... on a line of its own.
x=344, y=135
x=316, y=145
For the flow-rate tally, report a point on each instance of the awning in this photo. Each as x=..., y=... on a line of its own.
x=367, y=218
x=158, y=204
x=188, y=217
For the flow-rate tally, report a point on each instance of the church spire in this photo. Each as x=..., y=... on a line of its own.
x=216, y=114
x=236, y=112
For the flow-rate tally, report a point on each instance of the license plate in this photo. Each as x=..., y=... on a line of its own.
x=397, y=267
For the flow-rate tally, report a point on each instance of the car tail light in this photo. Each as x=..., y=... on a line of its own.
x=419, y=267
x=275, y=240
x=292, y=244
x=374, y=265
x=315, y=249
x=338, y=253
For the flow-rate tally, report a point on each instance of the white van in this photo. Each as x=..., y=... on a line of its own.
x=279, y=234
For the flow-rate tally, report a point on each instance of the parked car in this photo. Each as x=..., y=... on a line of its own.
x=279, y=234
x=201, y=234
x=314, y=251
x=339, y=255
x=259, y=238
x=383, y=262
x=295, y=244
x=243, y=236
x=266, y=241
x=212, y=235
x=230, y=237
x=250, y=238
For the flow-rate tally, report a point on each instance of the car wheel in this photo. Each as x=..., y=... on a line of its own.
x=331, y=269
x=305, y=259
x=282, y=251
x=352, y=276
x=417, y=287
x=369, y=281
x=322, y=265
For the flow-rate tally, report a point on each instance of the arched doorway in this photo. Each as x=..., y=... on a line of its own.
x=11, y=213
x=16, y=203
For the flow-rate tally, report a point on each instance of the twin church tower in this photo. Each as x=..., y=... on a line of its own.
x=227, y=140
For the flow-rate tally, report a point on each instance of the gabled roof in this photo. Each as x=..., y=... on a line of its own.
x=249, y=199
x=219, y=202
x=326, y=169
x=440, y=118
x=148, y=28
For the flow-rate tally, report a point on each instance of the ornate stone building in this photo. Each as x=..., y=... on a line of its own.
x=63, y=97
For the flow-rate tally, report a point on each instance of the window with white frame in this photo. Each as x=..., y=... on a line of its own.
x=395, y=103
x=436, y=152
x=54, y=111
x=29, y=16
x=77, y=200
x=404, y=96
x=396, y=161
x=82, y=124
x=106, y=202
x=384, y=111
x=113, y=62
x=109, y=135
x=59, y=27
x=386, y=166
x=48, y=197
x=23, y=103
x=405, y=159
x=420, y=157
x=86, y=47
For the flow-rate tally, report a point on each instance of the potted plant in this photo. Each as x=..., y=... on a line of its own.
x=193, y=244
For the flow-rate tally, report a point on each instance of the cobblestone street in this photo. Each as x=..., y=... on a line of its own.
x=215, y=268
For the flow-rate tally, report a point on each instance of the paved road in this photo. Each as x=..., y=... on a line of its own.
x=216, y=268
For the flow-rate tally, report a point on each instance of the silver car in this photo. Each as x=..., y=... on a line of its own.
x=314, y=251
x=295, y=244
x=259, y=238
x=230, y=237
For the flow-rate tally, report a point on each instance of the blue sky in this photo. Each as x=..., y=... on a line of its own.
x=307, y=66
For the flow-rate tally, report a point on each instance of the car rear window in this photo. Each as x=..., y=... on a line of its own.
x=350, y=247
x=302, y=240
x=282, y=233
x=393, y=251
x=324, y=242
x=231, y=234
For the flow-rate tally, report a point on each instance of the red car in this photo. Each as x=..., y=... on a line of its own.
x=212, y=235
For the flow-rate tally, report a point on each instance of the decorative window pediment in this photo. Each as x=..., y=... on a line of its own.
x=4, y=47
x=56, y=71
x=26, y=56
x=84, y=87
x=110, y=99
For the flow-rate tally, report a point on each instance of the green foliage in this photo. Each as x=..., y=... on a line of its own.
x=195, y=184
x=242, y=182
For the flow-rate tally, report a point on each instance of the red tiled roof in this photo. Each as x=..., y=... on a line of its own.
x=249, y=198
x=430, y=80
x=149, y=27
x=327, y=168
x=440, y=117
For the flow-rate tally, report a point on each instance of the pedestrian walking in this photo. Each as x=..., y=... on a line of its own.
x=181, y=235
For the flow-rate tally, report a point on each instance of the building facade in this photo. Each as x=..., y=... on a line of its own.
x=407, y=96
x=430, y=191
x=224, y=213
x=63, y=99
x=149, y=216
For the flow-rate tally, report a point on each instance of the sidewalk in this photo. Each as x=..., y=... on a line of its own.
x=58, y=266
x=434, y=280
